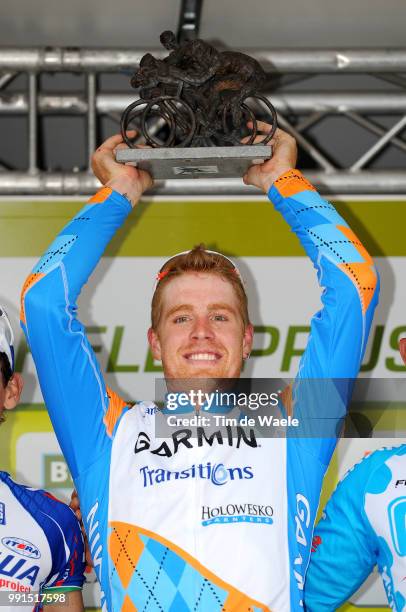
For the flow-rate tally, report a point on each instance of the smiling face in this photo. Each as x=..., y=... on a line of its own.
x=200, y=333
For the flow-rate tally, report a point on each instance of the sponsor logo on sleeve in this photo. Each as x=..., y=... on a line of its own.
x=303, y=522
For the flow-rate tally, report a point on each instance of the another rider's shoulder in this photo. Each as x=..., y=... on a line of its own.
x=369, y=475
x=40, y=503
x=61, y=510
x=371, y=462
x=56, y=508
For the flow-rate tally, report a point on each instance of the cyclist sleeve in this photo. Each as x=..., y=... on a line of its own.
x=83, y=411
x=339, y=331
x=345, y=270
x=345, y=546
x=69, y=565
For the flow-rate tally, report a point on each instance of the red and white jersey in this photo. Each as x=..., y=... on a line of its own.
x=41, y=544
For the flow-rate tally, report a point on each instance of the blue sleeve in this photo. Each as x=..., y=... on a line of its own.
x=345, y=547
x=83, y=411
x=69, y=560
x=339, y=331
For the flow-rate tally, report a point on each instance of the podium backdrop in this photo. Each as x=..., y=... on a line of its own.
x=283, y=294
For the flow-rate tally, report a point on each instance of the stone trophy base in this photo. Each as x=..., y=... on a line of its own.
x=195, y=162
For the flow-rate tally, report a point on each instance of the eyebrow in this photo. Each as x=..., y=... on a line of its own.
x=222, y=306
x=179, y=307
x=189, y=308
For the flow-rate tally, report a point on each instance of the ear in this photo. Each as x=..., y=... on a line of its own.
x=402, y=349
x=247, y=340
x=13, y=391
x=154, y=344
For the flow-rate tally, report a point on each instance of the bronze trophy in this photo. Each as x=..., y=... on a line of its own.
x=197, y=112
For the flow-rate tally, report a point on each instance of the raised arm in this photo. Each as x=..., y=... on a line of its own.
x=83, y=411
x=345, y=271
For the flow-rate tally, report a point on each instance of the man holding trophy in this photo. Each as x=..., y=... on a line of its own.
x=210, y=523
x=142, y=507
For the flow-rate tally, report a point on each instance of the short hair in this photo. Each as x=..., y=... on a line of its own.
x=199, y=260
x=5, y=368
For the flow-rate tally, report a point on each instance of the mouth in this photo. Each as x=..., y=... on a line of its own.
x=202, y=356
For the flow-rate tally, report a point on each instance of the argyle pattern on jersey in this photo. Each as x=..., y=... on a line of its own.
x=147, y=575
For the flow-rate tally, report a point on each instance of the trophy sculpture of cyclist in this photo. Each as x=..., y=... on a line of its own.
x=197, y=97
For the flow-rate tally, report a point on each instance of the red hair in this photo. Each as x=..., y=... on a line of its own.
x=198, y=260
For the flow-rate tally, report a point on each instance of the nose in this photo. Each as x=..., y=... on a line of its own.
x=202, y=329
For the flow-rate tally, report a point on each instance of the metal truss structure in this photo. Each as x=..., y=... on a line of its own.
x=380, y=111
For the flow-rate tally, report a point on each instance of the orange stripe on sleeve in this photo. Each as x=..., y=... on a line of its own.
x=114, y=410
x=100, y=196
x=364, y=278
x=30, y=281
x=362, y=274
x=292, y=182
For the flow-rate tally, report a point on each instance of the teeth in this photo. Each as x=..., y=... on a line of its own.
x=203, y=357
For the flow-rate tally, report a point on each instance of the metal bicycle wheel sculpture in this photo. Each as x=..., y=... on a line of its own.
x=165, y=121
x=198, y=96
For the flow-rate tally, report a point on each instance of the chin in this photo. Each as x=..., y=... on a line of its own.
x=209, y=372
x=190, y=373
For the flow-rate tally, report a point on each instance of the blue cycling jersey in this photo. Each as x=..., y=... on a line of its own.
x=363, y=525
x=194, y=524
x=41, y=544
